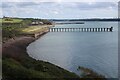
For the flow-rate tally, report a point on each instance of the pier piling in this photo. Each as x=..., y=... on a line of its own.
x=81, y=29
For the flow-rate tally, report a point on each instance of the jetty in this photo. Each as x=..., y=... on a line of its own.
x=81, y=29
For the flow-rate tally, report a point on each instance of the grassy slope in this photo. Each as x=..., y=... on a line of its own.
x=13, y=21
x=9, y=32
x=30, y=68
x=32, y=29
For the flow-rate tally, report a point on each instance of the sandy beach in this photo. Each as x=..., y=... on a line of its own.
x=16, y=47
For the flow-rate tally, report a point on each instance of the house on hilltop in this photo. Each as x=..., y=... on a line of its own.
x=37, y=23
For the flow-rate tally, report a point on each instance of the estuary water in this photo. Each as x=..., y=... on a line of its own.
x=95, y=50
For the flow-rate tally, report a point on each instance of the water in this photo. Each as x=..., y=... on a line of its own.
x=95, y=50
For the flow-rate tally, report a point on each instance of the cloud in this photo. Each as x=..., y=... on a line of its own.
x=60, y=0
x=78, y=5
x=18, y=4
x=92, y=5
x=26, y=4
x=55, y=12
x=6, y=5
x=60, y=9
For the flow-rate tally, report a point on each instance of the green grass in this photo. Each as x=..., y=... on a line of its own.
x=10, y=32
x=32, y=29
x=0, y=19
x=89, y=73
x=13, y=21
x=29, y=68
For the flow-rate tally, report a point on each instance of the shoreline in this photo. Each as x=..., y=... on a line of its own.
x=15, y=50
x=20, y=42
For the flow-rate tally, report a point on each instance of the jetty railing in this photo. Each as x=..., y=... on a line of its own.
x=81, y=29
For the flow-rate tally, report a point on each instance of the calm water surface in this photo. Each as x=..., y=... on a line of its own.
x=95, y=50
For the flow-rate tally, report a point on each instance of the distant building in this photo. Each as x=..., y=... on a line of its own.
x=41, y=23
x=37, y=23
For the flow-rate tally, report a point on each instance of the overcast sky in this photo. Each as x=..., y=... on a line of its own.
x=60, y=10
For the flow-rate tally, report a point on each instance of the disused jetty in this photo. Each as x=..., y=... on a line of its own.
x=81, y=29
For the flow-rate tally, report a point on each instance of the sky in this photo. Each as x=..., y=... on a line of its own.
x=60, y=9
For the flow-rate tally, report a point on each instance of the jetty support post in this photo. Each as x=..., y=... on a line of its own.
x=111, y=29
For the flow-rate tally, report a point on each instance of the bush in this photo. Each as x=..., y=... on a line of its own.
x=8, y=19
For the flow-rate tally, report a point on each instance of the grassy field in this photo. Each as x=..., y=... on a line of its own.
x=32, y=29
x=10, y=32
x=12, y=21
